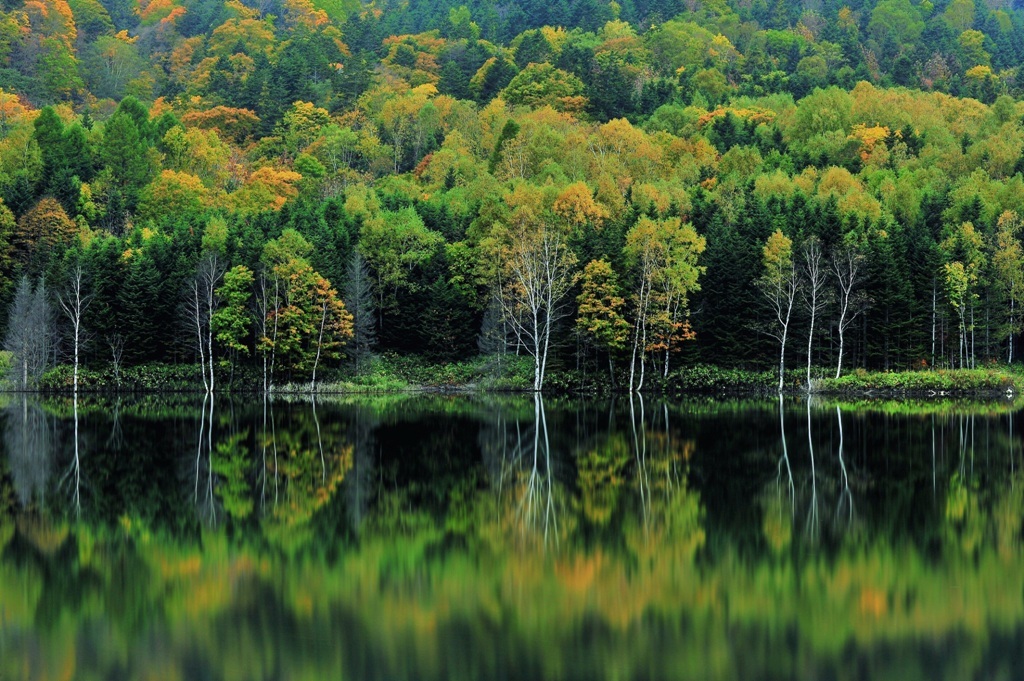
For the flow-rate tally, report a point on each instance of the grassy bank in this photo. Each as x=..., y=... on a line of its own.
x=384, y=374
x=924, y=382
x=392, y=373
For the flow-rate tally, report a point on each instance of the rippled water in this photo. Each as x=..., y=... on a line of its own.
x=509, y=538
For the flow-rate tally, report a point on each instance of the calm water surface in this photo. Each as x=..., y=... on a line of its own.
x=506, y=538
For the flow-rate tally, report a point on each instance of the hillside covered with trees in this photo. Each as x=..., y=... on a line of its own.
x=287, y=188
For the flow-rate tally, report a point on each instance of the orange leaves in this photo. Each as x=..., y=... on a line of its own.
x=237, y=125
x=52, y=19
x=160, y=11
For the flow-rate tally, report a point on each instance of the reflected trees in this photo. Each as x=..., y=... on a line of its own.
x=527, y=487
x=29, y=440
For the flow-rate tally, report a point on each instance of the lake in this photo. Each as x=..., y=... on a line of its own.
x=491, y=537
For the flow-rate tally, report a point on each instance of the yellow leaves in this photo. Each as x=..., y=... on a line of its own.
x=868, y=137
x=577, y=206
x=173, y=193
x=123, y=37
x=722, y=51
x=846, y=19
x=231, y=123
x=556, y=37
x=777, y=254
x=427, y=90
x=979, y=72
x=848, y=192
x=267, y=189
x=776, y=184
x=53, y=19
x=12, y=111
x=162, y=11
x=304, y=122
x=757, y=115
x=254, y=34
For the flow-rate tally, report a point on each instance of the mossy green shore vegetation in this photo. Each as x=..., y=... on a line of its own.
x=387, y=374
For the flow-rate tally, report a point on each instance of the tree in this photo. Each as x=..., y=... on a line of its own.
x=965, y=263
x=203, y=302
x=232, y=320
x=41, y=234
x=1008, y=266
x=74, y=302
x=544, y=85
x=30, y=333
x=537, y=271
x=600, y=312
x=846, y=263
x=305, y=319
x=395, y=244
x=128, y=157
x=815, y=276
x=359, y=302
x=779, y=284
x=663, y=256
x=335, y=326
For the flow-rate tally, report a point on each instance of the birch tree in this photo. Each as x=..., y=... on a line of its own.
x=846, y=263
x=663, y=255
x=537, y=272
x=815, y=275
x=779, y=284
x=204, y=299
x=965, y=262
x=73, y=303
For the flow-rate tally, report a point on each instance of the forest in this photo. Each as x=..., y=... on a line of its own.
x=290, y=190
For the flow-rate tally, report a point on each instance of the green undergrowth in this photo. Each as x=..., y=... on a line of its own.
x=511, y=373
x=924, y=382
x=388, y=373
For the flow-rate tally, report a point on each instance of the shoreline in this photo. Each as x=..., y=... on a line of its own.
x=403, y=376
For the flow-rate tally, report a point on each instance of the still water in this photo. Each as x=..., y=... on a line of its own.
x=413, y=537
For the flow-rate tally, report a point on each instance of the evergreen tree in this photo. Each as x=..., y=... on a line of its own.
x=359, y=302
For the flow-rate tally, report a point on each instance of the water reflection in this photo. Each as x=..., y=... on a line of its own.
x=455, y=537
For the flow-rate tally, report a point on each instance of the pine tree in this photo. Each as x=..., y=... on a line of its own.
x=359, y=302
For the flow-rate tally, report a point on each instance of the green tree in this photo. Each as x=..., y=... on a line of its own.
x=395, y=244
x=544, y=85
x=600, y=314
x=232, y=321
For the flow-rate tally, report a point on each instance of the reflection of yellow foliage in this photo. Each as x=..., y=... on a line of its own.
x=601, y=475
x=42, y=533
x=579, y=572
x=873, y=602
x=308, y=482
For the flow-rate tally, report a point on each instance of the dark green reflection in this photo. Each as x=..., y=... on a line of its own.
x=473, y=537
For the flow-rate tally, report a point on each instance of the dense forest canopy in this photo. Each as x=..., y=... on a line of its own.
x=292, y=185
